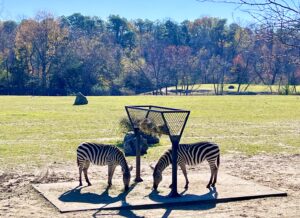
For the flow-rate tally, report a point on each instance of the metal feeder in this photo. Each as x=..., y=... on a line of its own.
x=167, y=121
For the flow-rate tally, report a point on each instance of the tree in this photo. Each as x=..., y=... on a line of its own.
x=7, y=56
x=154, y=56
x=122, y=31
x=242, y=56
x=216, y=69
x=144, y=26
x=64, y=55
x=172, y=32
x=181, y=67
x=38, y=40
x=135, y=78
x=280, y=14
x=80, y=25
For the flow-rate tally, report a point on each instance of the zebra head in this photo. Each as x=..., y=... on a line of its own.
x=157, y=177
x=126, y=178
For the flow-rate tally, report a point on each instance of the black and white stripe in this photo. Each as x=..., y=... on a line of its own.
x=101, y=154
x=190, y=154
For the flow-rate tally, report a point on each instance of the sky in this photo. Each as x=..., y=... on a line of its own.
x=177, y=10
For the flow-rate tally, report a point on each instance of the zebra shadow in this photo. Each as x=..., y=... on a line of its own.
x=122, y=212
x=187, y=201
x=206, y=202
x=75, y=195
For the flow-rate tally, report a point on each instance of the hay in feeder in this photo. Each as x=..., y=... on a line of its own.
x=149, y=127
x=162, y=129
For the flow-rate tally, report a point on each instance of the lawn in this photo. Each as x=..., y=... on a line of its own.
x=37, y=130
x=254, y=88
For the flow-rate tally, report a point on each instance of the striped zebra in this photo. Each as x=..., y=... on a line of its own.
x=101, y=154
x=190, y=154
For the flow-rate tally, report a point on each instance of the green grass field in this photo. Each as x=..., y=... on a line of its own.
x=255, y=88
x=38, y=130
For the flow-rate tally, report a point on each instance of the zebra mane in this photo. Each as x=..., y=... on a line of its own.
x=163, y=162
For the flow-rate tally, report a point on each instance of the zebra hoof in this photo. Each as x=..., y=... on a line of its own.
x=186, y=187
x=80, y=184
x=89, y=184
x=208, y=186
x=213, y=185
x=170, y=186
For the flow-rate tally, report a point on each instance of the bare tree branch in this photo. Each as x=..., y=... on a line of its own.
x=281, y=15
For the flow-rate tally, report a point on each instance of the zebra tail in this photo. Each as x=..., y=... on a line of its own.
x=218, y=161
x=77, y=161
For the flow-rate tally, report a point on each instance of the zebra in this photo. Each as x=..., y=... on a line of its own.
x=190, y=154
x=101, y=154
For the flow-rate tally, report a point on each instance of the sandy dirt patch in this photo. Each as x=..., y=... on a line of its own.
x=282, y=172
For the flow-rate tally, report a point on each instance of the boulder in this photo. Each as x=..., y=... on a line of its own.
x=129, y=144
x=80, y=99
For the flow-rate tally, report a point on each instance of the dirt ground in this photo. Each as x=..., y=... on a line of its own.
x=282, y=172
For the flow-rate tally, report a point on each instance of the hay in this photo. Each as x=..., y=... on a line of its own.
x=149, y=127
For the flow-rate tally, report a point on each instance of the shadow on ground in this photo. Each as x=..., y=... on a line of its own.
x=209, y=203
x=209, y=196
x=75, y=195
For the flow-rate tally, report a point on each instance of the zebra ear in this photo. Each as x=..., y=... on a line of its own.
x=152, y=167
x=130, y=168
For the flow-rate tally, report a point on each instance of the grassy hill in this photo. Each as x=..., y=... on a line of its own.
x=38, y=130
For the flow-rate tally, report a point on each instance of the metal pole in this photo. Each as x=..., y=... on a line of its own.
x=138, y=155
x=175, y=143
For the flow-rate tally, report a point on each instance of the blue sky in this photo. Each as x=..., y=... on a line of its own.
x=177, y=10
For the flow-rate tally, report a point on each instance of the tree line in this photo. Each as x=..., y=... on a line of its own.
x=49, y=55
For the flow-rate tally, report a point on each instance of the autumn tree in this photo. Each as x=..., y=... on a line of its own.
x=279, y=14
x=242, y=57
x=60, y=56
x=154, y=56
x=181, y=67
x=38, y=40
x=7, y=57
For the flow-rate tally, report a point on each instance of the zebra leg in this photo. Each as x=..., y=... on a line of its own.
x=80, y=175
x=210, y=180
x=215, y=177
x=212, y=166
x=183, y=168
x=216, y=171
x=111, y=170
x=85, y=169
